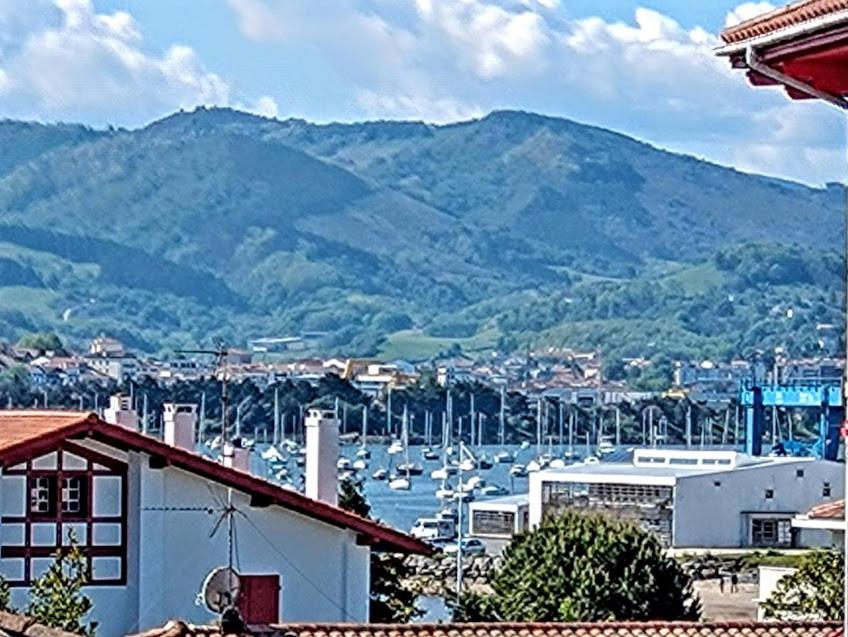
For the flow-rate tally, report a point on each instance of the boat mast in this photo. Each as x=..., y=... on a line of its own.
x=364, y=424
x=275, y=438
x=502, y=430
x=389, y=412
x=472, y=419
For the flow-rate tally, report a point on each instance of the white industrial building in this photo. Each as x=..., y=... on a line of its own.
x=695, y=499
x=145, y=513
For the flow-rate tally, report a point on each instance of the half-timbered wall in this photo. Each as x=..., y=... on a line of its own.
x=71, y=494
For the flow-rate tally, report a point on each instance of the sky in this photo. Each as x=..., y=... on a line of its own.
x=645, y=68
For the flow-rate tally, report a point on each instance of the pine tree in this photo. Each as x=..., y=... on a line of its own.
x=56, y=598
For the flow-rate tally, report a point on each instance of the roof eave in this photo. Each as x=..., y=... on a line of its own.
x=785, y=34
x=378, y=536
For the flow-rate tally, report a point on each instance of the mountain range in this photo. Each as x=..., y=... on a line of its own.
x=404, y=238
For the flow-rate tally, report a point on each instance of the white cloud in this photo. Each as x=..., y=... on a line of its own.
x=747, y=11
x=64, y=60
x=265, y=106
x=442, y=60
x=257, y=21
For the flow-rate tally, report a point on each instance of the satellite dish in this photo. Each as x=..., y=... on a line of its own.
x=221, y=589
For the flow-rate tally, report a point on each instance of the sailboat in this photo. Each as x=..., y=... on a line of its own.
x=363, y=452
x=445, y=492
x=467, y=460
x=402, y=482
x=429, y=454
x=271, y=454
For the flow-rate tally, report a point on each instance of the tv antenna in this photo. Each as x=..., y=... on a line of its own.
x=221, y=588
x=221, y=352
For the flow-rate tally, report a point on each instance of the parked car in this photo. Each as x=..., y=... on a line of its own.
x=470, y=546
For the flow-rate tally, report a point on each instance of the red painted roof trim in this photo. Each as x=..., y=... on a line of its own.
x=90, y=425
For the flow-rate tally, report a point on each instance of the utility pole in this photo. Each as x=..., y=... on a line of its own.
x=460, y=499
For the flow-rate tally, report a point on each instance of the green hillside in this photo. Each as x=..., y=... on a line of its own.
x=404, y=238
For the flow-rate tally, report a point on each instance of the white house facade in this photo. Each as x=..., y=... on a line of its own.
x=152, y=520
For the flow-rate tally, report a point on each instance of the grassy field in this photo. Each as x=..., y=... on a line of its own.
x=31, y=301
x=415, y=345
x=697, y=279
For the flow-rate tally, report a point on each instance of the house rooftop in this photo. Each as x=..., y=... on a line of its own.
x=25, y=434
x=15, y=625
x=828, y=511
x=789, y=16
x=670, y=464
x=573, y=629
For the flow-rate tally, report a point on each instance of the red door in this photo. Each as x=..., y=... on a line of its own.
x=259, y=602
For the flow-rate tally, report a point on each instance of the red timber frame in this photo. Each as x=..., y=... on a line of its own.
x=96, y=464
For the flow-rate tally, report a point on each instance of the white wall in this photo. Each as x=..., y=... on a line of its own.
x=768, y=578
x=712, y=516
x=323, y=573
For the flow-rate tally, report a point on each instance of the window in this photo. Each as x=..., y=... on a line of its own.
x=74, y=502
x=771, y=532
x=42, y=496
x=501, y=523
x=683, y=461
x=717, y=483
x=769, y=494
x=799, y=473
x=826, y=490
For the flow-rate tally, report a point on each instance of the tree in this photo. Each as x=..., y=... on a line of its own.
x=813, y=591
x=5, y=596
x=391, y=601
x=56, y=598
x=42, y=342
x=583, y=567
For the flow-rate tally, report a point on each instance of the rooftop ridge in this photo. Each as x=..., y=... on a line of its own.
x=734, y=628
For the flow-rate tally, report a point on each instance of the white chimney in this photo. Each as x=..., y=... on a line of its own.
x=120, y=412
x=180, y=425
x=235, y=456
x=322, y=454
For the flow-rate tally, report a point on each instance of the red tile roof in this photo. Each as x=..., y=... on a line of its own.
x=576, y=629
x=20, y=427
x=827, y=511
x=15, y=625
x=788, y=16
x=25, y=434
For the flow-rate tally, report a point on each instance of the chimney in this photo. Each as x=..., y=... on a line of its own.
x=180, y=425
x=120, y=412
x=235, y=456
x=322, y=453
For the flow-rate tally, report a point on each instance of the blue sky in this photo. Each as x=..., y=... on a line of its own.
x=643, y=68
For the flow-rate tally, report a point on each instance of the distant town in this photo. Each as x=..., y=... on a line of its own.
x=570, y=376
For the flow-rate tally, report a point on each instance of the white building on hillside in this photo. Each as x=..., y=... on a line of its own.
x=148, y=515
x=695, y=499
